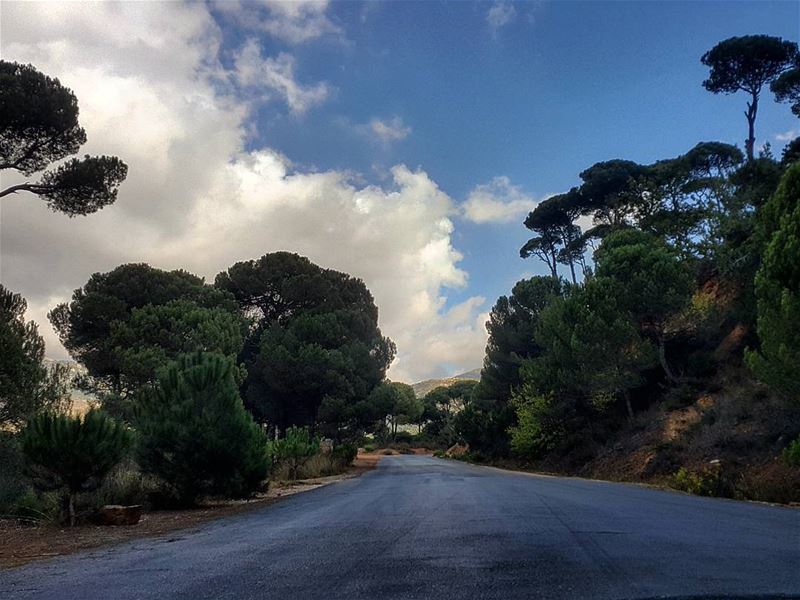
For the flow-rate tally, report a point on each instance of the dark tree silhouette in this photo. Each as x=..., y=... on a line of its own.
x=747, y=64
x=787, y=88
x=39, y=126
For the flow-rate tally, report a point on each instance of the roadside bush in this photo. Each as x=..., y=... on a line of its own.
x=74, y=453
x=403, y=437
x=37, y=508
x=774, y=482
x=13, y=482
x=125, y=485
x=703, y=482
x=293, y=451
x=343, y=455
x=791, y=454
x=195, y=433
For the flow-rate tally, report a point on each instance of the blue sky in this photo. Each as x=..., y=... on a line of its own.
x=401, y=142
x=561, y=86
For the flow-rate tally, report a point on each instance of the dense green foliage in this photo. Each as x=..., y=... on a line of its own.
x=27, y=386
x=73, y=452
x=39, y=126
x=195, y=434
x=441, y=406
x=778, y=291
x=511, y=326
x=392, y=403
x=99, y=329
x=314, y=351
x=294, y=449
x=677, y=246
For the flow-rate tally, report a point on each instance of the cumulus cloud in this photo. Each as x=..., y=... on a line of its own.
x=499, y=15
x=276, y=75
x=292, y=21
x=498, y=201
x=786, y=135
x=197, y=197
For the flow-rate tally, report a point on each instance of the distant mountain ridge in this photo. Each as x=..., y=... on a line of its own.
x=423, y=387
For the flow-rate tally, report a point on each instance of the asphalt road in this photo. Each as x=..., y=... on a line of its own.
x=420, y=527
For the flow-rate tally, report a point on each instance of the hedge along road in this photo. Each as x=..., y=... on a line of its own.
x=420, y=527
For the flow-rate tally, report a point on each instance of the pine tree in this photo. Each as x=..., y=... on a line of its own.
x=195, y=433
x=74, y=452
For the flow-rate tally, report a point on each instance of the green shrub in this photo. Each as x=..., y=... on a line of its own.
x=370, y=447
x=776, y=286
x=343, y=455
x=74, y=453
x=704, y=482
x=37, y=508
x=403, y=437
x=125, y=485
x=195, y=433
x=791, y=454
x=293, y=450
x=13, y=482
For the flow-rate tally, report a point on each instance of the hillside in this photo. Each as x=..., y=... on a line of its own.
x=423, y=387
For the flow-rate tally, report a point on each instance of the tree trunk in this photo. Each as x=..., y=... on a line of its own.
x=71, y=508
x=662, y=358
x=572, y=271
x=752, y=109
x=628, y=406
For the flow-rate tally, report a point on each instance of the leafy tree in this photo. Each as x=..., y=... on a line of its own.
x=397, y=402
x=442, y=404
x=747, y=64
x=195, y=434
x=592, y=351
x=537, y=430
x=778, y=292
x=791, y=153
x=653, y=283
x=107, y=301
x=559, y=239
x=511, y=326
x=74, y=452
x=787, y=88
x=27, y=386
x=281, y=285
x=156, y=334
x=549, y=222
x=610, y=193
x=314, y=351
x=293, y=450
x=39, y=126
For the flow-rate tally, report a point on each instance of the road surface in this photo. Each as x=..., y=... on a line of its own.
x=419, y=527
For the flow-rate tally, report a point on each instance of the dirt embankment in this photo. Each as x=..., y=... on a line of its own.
x=20, y=544
x=735, y=433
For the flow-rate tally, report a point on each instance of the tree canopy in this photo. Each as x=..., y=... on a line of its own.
x=27, y=385
x=314, y=351
x=94, y=327
x=746, y=64
x=39, y=126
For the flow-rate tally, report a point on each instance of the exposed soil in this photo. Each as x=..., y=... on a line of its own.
x=20, y=544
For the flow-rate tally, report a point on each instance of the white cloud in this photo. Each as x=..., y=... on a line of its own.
x=787, y=135
x=498, y=201
x=149, y=91
x=499, y=15
x=293, y=21
x=389, y=130
x=276, y=74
